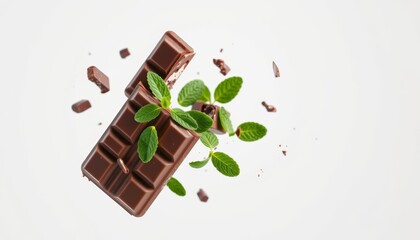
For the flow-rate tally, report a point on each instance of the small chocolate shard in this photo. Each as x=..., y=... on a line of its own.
x=284, y=152
x=202, y=195
x=221, y=50
x=124, y=53
x=99, y=123
x=81, y=106
x=276, y=70
x=270, y=108
x=224, y=69
x=99, y=78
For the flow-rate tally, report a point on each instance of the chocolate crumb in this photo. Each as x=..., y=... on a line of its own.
x=284, y=152
x=202, y=195
x=81, y=106
x=99, y=123
x=124, y=53
x=224, y=69
x=276, y=70
x=221, y=50
x=270, y=108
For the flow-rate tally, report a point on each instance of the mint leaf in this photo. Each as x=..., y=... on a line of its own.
x=250, y=131
x=199, y=164
x=176, y=187
x=147, y=144
x=204, y=122
x=165, y=102
x=183, y=119
x=205, y=95
x=225, y=121
x=209, y=139
x=190, y=93
x=225, y=164
x=147, y=113
x=158, y=86
x=227, y=89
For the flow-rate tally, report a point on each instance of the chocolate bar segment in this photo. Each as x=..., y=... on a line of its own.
x=168, y=59
x=114, y=166
x=99, y=78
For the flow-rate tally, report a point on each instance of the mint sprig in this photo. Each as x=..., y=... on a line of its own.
x=250, y=131
x=209, y=139
x=147, y=144
x=200, y=164
x=228, y=89
x=225, y=164
x=158, y=86
x=190, y=93
x=147, y=113
x=204, y=122
x=176, y=187
x=183, y=119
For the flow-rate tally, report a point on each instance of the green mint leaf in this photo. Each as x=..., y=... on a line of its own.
x=225, y=121
x=225, y=164
x=147, y=113
x=183, y=119
x=209, y=139
x=199, y=164
x=176, y=187
x=147, y=144
x=227, y=89
x=165, y=102
x=158, y=86
x=190, y=93
x=205, y=95
x=250, y=131
x=204, y=122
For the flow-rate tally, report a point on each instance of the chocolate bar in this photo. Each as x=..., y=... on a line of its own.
x=99, y=78
x=213, y=112
x=113, y=164
x=168, y=59
x=81, y=106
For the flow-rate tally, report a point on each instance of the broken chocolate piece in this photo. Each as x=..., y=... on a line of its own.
x=124, y=53
x=270, y=108
x=221, y=50
x=168, y=59
x=224, y=69
x=213, y=112
x=81, y=106
x=276, y=70
x=284, y=152
x=99, y=78
x=202, y=195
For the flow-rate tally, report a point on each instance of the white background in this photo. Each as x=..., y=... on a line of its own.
x=348, y=111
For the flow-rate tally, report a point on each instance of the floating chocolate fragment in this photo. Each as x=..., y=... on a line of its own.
x=114, y=165
x=270, y=108
x=276, y=70
x=202, y=195
x=213, y=112
x=168, y=59
x=224, y=69
x=221, y=50
x=99, y=78
x=284, y=152
x=124, y=53
x=81, y=106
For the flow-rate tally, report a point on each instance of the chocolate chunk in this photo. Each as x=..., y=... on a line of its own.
x=270, y=108
x=168, y=59
x=224, y=69
x=99, y=78
x=81, y=106
x=202, y=195
x=124, y=53
x=213, y=112
x=114, y=165
x=276, y=70
x=284, y=152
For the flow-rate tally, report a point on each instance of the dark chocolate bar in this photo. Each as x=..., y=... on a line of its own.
x=114, y=166
x=168, y=59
